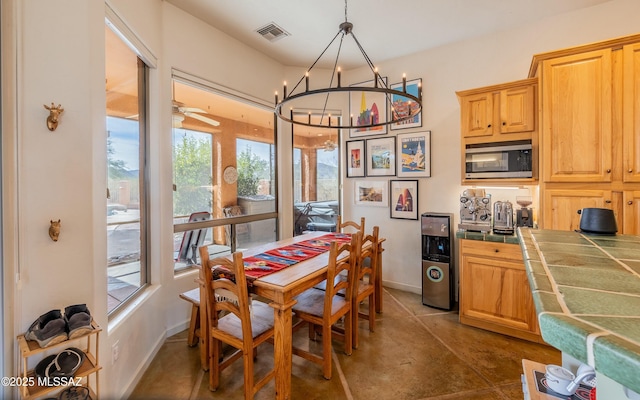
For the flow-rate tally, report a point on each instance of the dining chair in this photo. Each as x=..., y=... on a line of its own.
x=364, y=286
x=341, y=225
x=325, y=308
x=244, y=326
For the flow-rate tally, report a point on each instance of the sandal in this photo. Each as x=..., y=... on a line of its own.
x=75, y=393
x=67, y=362
x=64, y=364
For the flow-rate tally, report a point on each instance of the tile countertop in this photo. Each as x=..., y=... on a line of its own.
x=586, y=290
x=487, y=237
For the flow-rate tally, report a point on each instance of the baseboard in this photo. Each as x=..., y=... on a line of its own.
x=403, y=287
x=142, y=368
x=177, y=328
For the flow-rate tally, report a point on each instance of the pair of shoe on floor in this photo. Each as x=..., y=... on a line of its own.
x=52, y=327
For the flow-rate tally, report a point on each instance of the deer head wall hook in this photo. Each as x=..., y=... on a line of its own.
x=54, y=114
x=54, y=230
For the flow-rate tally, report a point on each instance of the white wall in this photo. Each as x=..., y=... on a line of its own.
x=492, y=59
x=61, y=174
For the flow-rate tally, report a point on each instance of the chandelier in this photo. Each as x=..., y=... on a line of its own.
x=366, y=118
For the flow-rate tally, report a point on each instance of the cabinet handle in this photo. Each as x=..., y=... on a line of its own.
x=504, y=123
x=630, y=171
x=489, y=126
x=497, y=250
x=608, y=201
x=629, y=202
x=609, y=171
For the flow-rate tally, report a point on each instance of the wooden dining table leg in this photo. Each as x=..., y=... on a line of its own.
x=282, y=338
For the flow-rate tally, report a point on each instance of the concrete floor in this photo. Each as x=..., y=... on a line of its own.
x=416, y=352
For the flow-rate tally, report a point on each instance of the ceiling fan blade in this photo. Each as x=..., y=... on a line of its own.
x=191, y=109
x=202, y=118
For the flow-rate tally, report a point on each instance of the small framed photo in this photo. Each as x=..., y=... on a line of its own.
x=381, y=156
x=366, y=108
x=371, y=193
x=414, y=155
x=400, y=105
x=355, y=158
x=404, y=199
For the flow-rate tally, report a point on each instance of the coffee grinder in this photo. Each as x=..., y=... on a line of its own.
x=524, y=216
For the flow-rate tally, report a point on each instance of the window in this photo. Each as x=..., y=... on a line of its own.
x=126, y=151
x=224, y=167
x=316, y=177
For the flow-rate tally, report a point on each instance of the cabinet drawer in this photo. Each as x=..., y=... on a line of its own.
x=497, y=250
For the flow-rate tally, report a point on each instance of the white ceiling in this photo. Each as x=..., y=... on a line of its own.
x=386, y=29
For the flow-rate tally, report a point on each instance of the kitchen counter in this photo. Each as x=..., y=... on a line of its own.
x=488, y=237
x=586, y=290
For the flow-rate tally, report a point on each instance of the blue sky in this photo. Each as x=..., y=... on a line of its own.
x=123, y=134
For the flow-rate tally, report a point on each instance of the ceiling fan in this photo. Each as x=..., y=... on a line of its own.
x=179, y=111
x=330, y=145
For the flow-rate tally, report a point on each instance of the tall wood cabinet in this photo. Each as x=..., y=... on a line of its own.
x=590, y=132
x=494, y=289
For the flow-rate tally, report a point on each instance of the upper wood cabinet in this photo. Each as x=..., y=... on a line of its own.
x=576, y=118
x=498, y=113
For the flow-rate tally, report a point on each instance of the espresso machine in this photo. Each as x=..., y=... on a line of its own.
x=475, y=211
x=524, y=216
x=503, y=217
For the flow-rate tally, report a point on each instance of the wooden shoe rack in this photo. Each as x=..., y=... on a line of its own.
x=31, y=386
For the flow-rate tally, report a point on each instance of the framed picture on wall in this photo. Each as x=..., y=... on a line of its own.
x=366, y=108
x=355, y=161
x=414, y=155
x=401, y=106
x=381, y=156
x=404, y=199
x=371, y=193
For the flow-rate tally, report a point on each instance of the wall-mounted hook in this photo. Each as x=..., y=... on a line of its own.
x=54, y=114
x=54, y=230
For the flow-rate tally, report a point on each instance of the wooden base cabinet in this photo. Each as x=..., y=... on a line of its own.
x=494, y=290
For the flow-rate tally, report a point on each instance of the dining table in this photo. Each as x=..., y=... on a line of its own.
x=281, y=288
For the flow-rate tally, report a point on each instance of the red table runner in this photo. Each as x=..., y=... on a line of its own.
x=275, y=260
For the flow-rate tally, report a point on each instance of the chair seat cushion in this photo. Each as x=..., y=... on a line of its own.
x=261, y=321
x=312, y=302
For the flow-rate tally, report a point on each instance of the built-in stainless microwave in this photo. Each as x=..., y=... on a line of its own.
x=499, y=160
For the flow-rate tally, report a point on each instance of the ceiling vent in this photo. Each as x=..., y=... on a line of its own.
x=272, y=32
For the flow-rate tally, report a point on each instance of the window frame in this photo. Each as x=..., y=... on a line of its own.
x=220, y=90
x=145, y=61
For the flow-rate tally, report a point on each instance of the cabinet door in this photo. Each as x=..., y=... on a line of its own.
x=561, y=206
x=477, y=115
x=496, y=292
x=517, y=106
x=576, y=112
x=631, y=114
x=631, y=212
